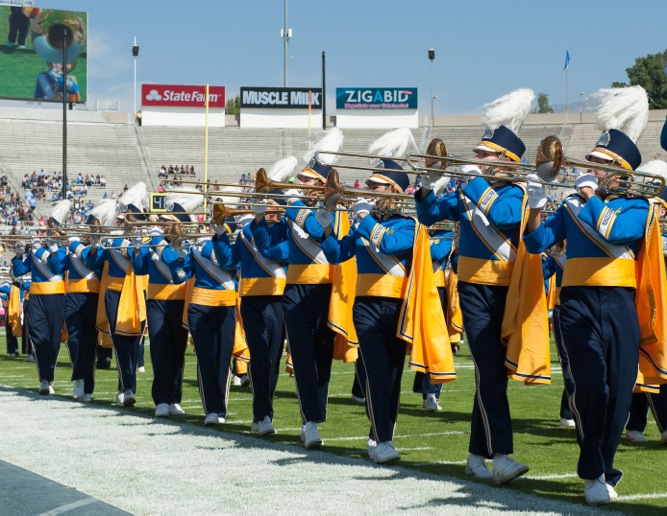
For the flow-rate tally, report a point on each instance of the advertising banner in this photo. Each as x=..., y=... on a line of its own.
x=376, y=98
x=286, y=98
x=171, y=95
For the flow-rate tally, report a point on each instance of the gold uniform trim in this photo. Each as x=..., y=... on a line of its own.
x=312, y=274
x=47, y=287
x=600, y=272
x=209, y=297
x=83, y=286
x=166, y=292
x=262, y=286
x=485, y=272
x=382, y=285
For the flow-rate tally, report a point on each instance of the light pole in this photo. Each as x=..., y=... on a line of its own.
x=285, y=34
x=581, y=104
x=135, y=54
x=431, y=57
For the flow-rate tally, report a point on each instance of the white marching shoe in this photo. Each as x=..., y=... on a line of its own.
x=162, y=410
x=45, y=388
x=384, y=452
x=635, y=436
x=476, y=466
x=213, y=419
x=310, y=436
x=77, y=390
x=598, y=492
x=567, y=423
x=263, y=427
x=176, y=410
x=506, y=469
x=431, y=404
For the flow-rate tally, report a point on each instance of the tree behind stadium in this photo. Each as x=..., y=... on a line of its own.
x=648, y=73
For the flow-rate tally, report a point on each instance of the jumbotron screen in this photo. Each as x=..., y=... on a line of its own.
x=32, y=55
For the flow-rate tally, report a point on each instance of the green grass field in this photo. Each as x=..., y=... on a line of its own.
x=435, y=443
x=20, y=67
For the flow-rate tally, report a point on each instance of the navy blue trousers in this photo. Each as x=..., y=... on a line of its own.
x=12, y=341
x=212, y=329
x=80, y=311
x=483, y=307
x=168, y=342
x=127, y=348
x=383, y=353
x=306, y=309
x=639, y=406
x=568, y=385
x=600, y=331
x=26, y=345
x=359, y=385
x=263, y=323
x=422, y=382
x=46, y=324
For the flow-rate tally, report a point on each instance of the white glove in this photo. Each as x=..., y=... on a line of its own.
x=73, y=239
x=429, y=179
x=136, y=242
x=323, y=217
x=292, y=195
x=471, y=169
x=259, y=210
x=586, y=180
x=178, y=243
x=218, y=230
x=537, y=193
x=362, y=206
x=53, y=248
x=244, y=221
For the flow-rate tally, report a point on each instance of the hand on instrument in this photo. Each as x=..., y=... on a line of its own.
x=537, y=193
x=73, y=239
x=259, y=208
x=362, y=207
x=323, y=216
x=52, y=245
x=471, y=169
x=586, y=184
x=178, y=243
x=292, y=196
x=428, y=180
x=218, y=230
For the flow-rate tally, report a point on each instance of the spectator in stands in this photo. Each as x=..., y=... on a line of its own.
x=138, y=118
x=192, y=170
x=103, y=182
x=356, y=183
x=162, y=172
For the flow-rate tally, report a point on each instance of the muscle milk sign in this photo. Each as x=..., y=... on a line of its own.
x=376, y=98
x=286, y=98
x=170, y=95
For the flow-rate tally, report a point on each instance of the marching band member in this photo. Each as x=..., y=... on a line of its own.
x=607, y=232
x=46, y=305
x=164, y=310
x=394, y=265
x=122, y=309
x=654, y=398
x=80, y=311
x=211, y=313
x=262, y=283
x=12, y=302
x=494, y=292
x=306, y=299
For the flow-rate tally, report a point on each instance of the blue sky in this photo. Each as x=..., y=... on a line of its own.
x=483, y=48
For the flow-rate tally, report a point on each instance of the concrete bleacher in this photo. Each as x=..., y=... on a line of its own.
x=125, y=154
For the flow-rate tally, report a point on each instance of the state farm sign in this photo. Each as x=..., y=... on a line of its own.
x=171, y=95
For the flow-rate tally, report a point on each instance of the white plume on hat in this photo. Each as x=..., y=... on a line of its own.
x=137, y=195
x=190, y=198
x=228, y=199
x=624, y=109
x=282, y=170
x=105, y=212
x=394, y=144
x=61, y=211
x=509, y=110
x=656, y=167
x=331, y=141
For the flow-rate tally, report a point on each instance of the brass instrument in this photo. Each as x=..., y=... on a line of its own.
x=620, y=180
x=547, y=163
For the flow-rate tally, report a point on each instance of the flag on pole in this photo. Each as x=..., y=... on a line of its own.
x=567, y=60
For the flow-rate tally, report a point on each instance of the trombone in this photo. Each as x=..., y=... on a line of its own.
x=547, y=164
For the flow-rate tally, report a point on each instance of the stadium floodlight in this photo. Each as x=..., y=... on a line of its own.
x=431, y=57
x=285, y=35
x=135, y=54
